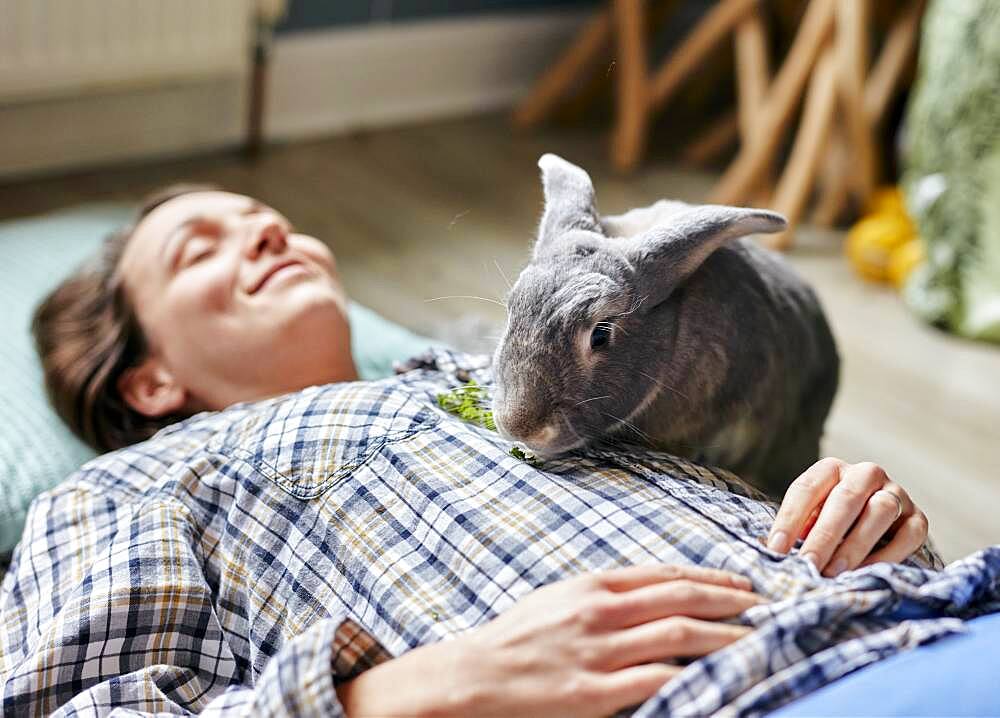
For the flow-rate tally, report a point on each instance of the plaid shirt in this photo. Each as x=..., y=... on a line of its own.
x=245, y=561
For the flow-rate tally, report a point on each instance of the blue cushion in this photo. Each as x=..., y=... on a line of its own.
x=36, y=450
x=955, y=676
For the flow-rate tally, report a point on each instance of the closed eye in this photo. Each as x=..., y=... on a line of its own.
x=196, y=249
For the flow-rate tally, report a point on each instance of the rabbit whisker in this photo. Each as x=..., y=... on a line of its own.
x=499, y=298
x=593, y=398
x=569, y=424
x=506, y=281
x=468, y=296
x=660, y=384
x=621, y=444
x=629, y=425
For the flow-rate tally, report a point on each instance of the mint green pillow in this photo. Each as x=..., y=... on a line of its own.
x=36, y=450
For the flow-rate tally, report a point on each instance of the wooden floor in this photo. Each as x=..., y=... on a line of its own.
x=448, y=210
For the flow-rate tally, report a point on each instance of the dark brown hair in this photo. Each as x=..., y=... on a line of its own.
x=87, y=335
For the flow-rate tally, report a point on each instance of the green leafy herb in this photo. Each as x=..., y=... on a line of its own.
x=467, y=402
x=518, y=453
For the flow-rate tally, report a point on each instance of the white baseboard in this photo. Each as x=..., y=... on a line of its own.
x=347, y=79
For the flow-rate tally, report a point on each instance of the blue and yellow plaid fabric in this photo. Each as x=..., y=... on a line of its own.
x=244, y=561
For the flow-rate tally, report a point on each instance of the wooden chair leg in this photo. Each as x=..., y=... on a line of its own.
x=753, y=75
x=593, y=39
x=574, y=108
x=797, y=180
x=722, y=133
x=709, y=31
x=782, y=99
x=852, y=63
x=833, y=186
x=752, y=71
x=629, y=135
x=897, y=52
x=895, y=56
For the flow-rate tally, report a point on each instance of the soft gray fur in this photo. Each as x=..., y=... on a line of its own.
x=718, y=351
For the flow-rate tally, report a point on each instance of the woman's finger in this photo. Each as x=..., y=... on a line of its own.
x=882, y=510
x=909, y=537
x=629, y=686
x=843, y=506
x=810, y=522
x=675, y=637
x=804, y=495
x=679, y=598
x=632, y=577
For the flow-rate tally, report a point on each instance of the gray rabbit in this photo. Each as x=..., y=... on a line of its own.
x=664, y=326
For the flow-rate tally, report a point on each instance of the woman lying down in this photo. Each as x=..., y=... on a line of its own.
x=293, y=541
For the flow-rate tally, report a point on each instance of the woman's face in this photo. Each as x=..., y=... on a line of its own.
x=234, y=304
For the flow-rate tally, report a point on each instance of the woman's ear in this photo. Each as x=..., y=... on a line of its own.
x=151, y=389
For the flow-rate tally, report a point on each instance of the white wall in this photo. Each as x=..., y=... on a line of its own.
x=376, y=75
x=322, y=82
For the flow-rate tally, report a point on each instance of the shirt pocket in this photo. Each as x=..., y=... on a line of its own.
x=307, y=442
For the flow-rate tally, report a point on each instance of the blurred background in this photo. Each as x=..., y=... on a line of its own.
x=405, y=133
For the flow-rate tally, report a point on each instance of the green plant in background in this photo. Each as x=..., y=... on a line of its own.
x=467, y=402
x=952, y=168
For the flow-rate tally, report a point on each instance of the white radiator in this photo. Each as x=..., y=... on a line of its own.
x=62, y=47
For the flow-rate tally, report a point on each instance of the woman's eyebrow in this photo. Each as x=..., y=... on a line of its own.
x=172, y=238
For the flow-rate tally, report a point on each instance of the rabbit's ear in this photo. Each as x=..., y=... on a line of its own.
x=665, y=256
x=638, y=220
x=569, y=200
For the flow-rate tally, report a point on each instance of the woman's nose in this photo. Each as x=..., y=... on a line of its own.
x=267, y=236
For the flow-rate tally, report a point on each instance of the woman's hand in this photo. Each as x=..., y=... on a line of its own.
x=842, y=511
x=586, y=646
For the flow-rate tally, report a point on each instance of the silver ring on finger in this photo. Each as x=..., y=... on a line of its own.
x=899, y=502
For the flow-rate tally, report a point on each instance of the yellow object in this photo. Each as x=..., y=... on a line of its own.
x=886, y=200
x=873, y=239
x=883, y=246
x=903, y=260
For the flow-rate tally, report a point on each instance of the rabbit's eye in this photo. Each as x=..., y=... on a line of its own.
x=601, y=335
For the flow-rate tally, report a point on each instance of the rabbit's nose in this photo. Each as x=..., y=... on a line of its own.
x=543, y=436
x=515, y=423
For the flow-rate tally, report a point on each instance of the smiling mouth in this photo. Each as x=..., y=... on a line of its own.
x=285, y=269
